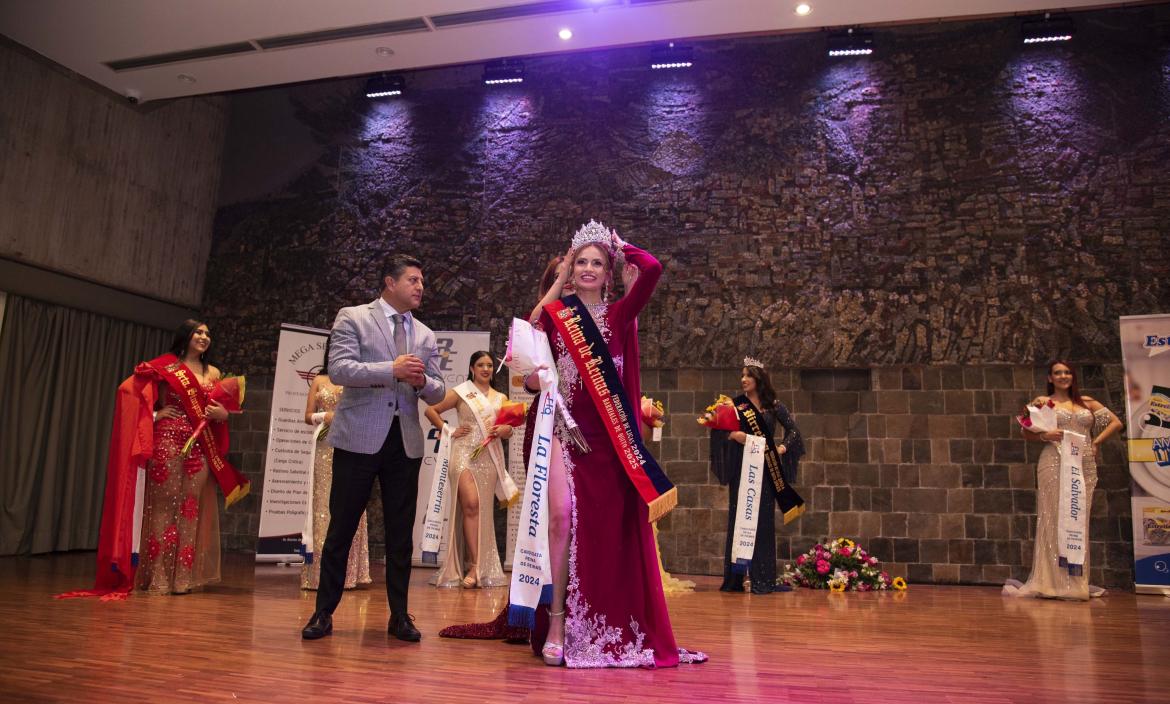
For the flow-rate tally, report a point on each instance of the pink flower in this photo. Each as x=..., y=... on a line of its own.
x=802, y=559
x=823, y=567
x=885, y=576
x=845, y=551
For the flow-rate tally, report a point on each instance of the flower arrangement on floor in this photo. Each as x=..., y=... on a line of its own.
x=840, y=565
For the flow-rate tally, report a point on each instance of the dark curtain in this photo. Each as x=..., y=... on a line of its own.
x=59, y=369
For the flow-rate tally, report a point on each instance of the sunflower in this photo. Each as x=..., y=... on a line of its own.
x=836, y=586
x=849, y=543
x=899, y=584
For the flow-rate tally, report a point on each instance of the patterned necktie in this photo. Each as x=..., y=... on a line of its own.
x=404, y=389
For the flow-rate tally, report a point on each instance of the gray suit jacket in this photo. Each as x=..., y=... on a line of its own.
x=361, y=358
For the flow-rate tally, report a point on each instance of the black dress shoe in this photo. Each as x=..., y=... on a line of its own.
x=402, y=628
x=319, y=626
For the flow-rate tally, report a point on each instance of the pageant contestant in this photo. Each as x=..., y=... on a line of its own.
x=156, y=416
x=759, y=414
x=472, y=557
x=607, y=607
x=319, y=409
x=1074, y=426
x=387, y=360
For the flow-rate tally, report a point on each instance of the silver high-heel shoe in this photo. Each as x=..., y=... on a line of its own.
x=554, y=653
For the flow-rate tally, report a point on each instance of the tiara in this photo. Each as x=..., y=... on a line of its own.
x=593, y=233
x=752, y=362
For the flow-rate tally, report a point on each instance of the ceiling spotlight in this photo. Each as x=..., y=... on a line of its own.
x=565, y=34
x=671, y=56
x=385, y=86
x=1047, y=29
x=803, y=9
x=384, y=51
x=851, y=42
x=502, y=72
x=186, y=78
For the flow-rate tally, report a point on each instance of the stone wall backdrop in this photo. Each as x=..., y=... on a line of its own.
x=904, y=239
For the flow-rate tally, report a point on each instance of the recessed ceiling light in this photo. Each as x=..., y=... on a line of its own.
x=186, y=78
x=803, y=9
x=384, y=51
x=565, y=34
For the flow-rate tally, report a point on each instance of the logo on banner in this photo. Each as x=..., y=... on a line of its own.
x=446, y=348
x=310, y=348
x=1156, y=344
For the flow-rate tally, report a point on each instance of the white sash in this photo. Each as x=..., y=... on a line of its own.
x=139, y=500
x=1074, y=515
x=531, y=568
x=437, y=500
x=747, y=516
x=485, y=411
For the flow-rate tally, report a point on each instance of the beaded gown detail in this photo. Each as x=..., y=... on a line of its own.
x=180, y=515
x=357, y=569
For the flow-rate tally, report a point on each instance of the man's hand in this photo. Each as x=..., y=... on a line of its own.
x=409, y=368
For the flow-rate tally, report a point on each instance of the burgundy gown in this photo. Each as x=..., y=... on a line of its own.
x=616, y=612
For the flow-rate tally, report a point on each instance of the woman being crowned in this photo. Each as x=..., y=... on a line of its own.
x=606, y=607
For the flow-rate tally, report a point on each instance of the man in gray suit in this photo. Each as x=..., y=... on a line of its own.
x=387, y=361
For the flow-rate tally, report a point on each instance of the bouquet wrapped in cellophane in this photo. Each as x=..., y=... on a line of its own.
x=511, y=413
x=229, y=393
x=1038, y=417
x=721, y=415
x=653, y=415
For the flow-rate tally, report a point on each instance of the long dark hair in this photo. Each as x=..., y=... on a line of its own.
x=475, y=357
x=763, y=387
x=1074, y=389
x=182, y=340
x=325, y=360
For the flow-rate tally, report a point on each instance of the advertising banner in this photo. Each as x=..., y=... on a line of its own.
x=1145, y=345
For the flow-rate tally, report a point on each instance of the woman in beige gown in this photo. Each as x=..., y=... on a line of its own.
x=322, y=402
x=1079, y=414
x=472, y=557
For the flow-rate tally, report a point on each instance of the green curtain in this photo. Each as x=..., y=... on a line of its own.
x=60, y=368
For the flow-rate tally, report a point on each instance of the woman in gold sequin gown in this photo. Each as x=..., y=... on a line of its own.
x=180, y=517
x=322, y=402
x=1079, y=414
x=472, y=557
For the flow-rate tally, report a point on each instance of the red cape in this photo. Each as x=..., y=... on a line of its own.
x=131, y=447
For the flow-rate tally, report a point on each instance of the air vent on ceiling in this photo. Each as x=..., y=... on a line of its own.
x=415, y=24
x=508, y=13
x=177, y=56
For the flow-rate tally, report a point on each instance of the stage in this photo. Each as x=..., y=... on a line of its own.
x=240, y=641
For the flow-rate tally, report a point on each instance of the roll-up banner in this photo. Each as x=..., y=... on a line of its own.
x=286, y=493
x=1145, y=350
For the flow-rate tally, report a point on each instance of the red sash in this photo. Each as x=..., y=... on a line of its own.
x=214, y=436
x=599, y=375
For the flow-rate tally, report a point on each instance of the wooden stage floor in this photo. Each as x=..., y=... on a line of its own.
x=240, y=642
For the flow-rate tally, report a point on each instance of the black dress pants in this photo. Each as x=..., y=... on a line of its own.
x=353, y=480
